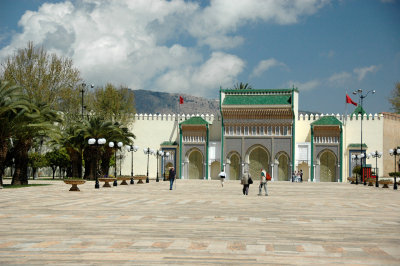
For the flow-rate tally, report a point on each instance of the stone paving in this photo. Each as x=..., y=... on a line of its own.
x=200, y=223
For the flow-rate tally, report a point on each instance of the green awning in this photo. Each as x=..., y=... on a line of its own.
x=356, y=145
x=327, y=121
x=169, y=143
x=196, y=120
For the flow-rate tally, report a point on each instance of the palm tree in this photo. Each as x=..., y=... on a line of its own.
x=95, y=127
x=118, y=134
x=13, y=103
x=242, y=86
x=37, y=122
x=73, y=141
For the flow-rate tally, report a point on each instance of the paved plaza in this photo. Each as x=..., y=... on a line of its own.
x=200, y=223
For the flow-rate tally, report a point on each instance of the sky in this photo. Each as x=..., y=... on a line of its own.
x=324, y=48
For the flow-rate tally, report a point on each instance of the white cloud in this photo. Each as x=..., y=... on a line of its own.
x=339, y=78
x=220, y=70
x=137, y=43
x=362, y=72
x=264, y=65
x=306, y=86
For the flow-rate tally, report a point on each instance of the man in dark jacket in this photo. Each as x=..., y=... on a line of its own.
x=171, y=177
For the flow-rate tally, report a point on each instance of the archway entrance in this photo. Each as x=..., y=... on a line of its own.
x=166, y=169
x=283, y=171
x=258, y=158
x=234, y=168
x=215, y=170
x=195, y=165
x=327, y=167
x=306, y=172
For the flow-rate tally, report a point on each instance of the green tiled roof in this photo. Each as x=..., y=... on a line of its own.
x=196, y=120
x=258, y=91
x=169, y=143
x=358, y=110
x=356, y=145
x=326, y=121
x=257, y=100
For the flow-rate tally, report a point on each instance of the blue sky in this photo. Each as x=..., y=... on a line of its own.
x=323, y=47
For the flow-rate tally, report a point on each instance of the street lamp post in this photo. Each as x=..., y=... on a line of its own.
x=96, y=142
x=165, y=155
x=119, y=145
x=362, y=96
x=376, y=155
x=158, y=154
x=356, y=158
x=148, y=151
x=395, y=152
x=131, y=148
x=83, y=92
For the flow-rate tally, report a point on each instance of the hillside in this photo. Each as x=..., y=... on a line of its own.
x=153, y=102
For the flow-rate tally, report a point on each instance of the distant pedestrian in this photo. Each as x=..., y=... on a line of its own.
x=263, y=183
x=171, y=177
x=293, y=176
x=222, y=175
x=301, y=175
x=246, y=181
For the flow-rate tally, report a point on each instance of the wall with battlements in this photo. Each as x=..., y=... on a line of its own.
x=380, y=132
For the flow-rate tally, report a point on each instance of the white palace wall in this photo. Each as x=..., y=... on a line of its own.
x=152, y=130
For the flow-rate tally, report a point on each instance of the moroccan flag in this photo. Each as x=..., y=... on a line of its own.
x=180, y=100
x=349, y=100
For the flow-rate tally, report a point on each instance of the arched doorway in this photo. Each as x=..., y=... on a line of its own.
x=258, y=158
x=215, y=170
x=306, y=172
x=234, y=167
x=327, y=166
x=283, y=167
x=195, y=165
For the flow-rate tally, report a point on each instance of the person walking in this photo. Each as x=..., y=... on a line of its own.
x=301, y=175
x=263, y=183
x=172, y=174
x=246, y=177
x=222, y=175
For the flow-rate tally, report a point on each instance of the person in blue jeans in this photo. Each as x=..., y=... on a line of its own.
x=172, y=174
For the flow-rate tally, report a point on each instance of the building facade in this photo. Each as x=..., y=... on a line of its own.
x=263, y=129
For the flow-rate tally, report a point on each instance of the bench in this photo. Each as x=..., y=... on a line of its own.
x=385, y=183
x=124, y=178
x=140, y=178
x=74, y=184
x=370, y=181
x=106, y=181
x=352, y=179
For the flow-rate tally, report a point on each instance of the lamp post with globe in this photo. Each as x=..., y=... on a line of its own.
x=96, y=142
x=376, y=155
x=131, y=148
x=148, y=151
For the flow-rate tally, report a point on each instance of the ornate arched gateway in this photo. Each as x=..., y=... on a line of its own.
x=215, y=170
x=196, y=163
x=234, y=166
x=328, y=163
x=257, y=158
x=283, y=166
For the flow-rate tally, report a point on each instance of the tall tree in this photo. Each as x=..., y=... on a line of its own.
x=38, y=122
x=112, y=103
x=44, y=78
x=395, y=98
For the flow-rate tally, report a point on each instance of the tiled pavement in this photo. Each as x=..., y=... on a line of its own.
x=200, y=223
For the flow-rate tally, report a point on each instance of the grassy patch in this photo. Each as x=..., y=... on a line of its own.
x=19, y=186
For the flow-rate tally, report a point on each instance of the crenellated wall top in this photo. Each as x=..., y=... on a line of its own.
x=173, y=117
x=314, y=117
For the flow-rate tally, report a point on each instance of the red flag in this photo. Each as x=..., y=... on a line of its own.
x=180, y=100
x=349, y=100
